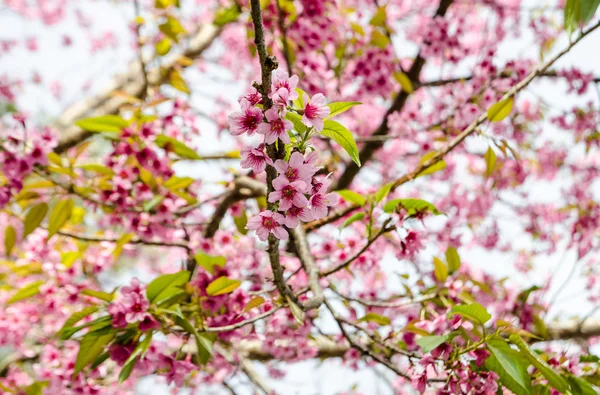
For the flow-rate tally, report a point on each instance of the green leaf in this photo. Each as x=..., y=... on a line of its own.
x=95, y=325
x=208, y=262
x=96, y=168
x=163, y=46
x=376, y=318
x=340, y=107
x=498, y=111
x=380, y=40
x=453, y=259
x=227, y=15
x=580, y=386
x=36, y=388
x=172, y=28
x=343, y=137
x=174, y=183
x=412, y=206
x=404, y=81
x=490, y=161
x=170, y=144
x=166, y=285
x=383, y=192
x=105, y=123
x=153, y=203
x=588, y=9
x=440, y=270
x=509, y=366
x=203, y=344
x=78, y=316
x=437, y=166
x=34, y=218
x=10, y=239
x=296, y=120
x=352, y=219
x=299, y=102
x=428, y=343
x=352, y=197
x=555, y=380
x=59, y=216
x=90, y=347
x=176, y=80
x=105, y=296
x=379, y=18
x=473, y=311
x=253, y=303
x=27, y=291
x=240, y=222
x=130, y=363
x=296, y=311
x=222, y=285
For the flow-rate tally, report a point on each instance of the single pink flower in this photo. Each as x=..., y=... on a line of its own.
x=320, y=200
x=315, y=111
x=295, y=213
x=282, y=80
x=268, y=222
x=296, y=169
x=136, y=305
x=288, y=193
x=245, y=121
x=255, y=159
x=276, y=127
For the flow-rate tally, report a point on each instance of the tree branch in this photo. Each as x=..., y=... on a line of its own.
x=366, y=153
x=132, y=83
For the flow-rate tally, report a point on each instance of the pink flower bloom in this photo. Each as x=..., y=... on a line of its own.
x=288, y=193
x=296, y=169
x=282, y=80
x=245, y=121
x=320, y=200
x=136, y=305
x=253, y=97
x=276, y=128
x=148, y=323
x=255, y=159
x=295, y=213
x=268, y=222
x=315, y=111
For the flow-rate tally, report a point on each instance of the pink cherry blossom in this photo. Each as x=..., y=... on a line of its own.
x=276, y=127
x=288, y=193
x=268, y=222
x=321, y=200
x=283, y=86
x=245, y=121
x=255, y=159
x=315, y=111
x=296, y=168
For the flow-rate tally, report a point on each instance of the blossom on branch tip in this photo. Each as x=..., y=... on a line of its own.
x=283, y=82
x=276, y=127
x=245, y=121
x=268, y=222
x=255, y=159
x=315, y=111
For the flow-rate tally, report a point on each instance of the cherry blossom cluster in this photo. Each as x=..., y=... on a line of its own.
x=299, y=195
x=132, y=307
x=21, y=149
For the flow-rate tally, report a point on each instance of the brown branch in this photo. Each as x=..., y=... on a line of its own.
x=348, y=262
x=298, y=237
x=274, y=151
x=98, y=239
x=132, y=83
x=447, y=81
x=369, y=149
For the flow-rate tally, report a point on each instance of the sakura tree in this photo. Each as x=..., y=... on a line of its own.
x=362, y=153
